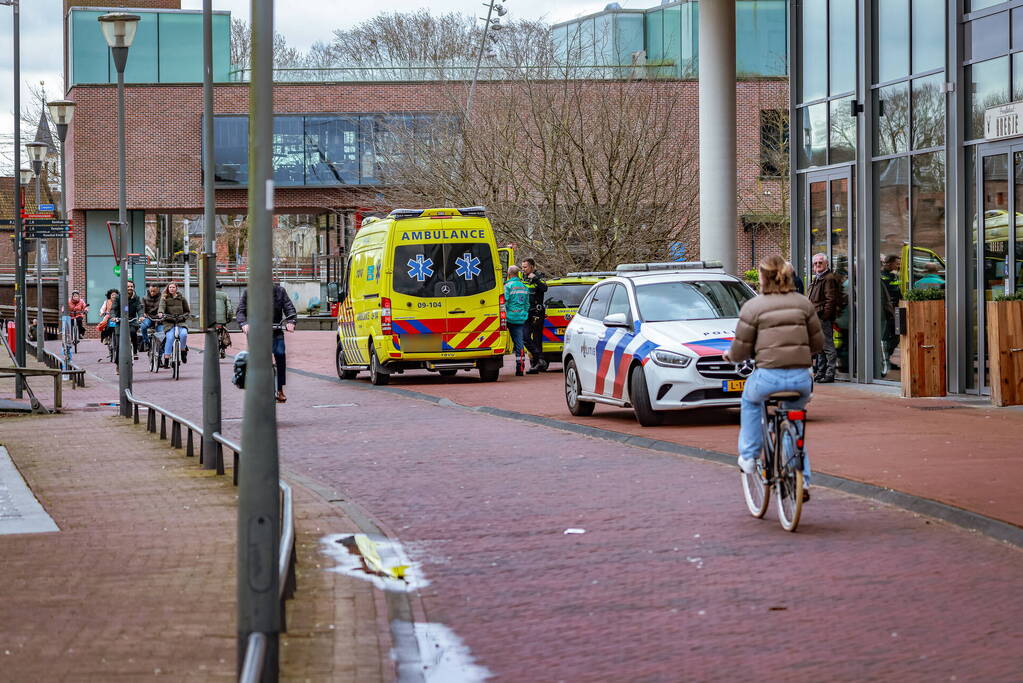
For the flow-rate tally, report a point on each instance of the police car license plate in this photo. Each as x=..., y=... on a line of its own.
x=733, y=384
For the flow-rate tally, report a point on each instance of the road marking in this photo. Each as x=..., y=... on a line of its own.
x=20, y=512
x=337, y=405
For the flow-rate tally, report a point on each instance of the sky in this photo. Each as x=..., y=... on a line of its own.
x=302, y=22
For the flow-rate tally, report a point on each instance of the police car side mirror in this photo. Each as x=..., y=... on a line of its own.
x=616, y=320
x=333, y=292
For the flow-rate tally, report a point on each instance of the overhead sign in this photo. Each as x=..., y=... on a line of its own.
x=1005, y=121
x=29, y=222
x=46, y=207
x=37, y=215
x=137, y=259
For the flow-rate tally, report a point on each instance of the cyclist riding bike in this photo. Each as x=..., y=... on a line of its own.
x=134, y=316
x=174, y=311
x=284, y=311
x=151, y=308
x=76, y=308
x=781, y=331
x=224, y=314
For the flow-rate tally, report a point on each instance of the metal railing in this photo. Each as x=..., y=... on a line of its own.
x=52, y=360
x=255, y=651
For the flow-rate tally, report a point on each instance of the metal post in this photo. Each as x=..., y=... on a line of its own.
x=125, y=354
x=62, y=250
x=211, y=405
x=40, y=334
x=479, y=60
x=20, y=314
x=259, y=528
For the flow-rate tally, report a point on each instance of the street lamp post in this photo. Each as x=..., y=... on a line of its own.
x=61, y=112
x=37, y=155
x=119, y=30
x=20, y=314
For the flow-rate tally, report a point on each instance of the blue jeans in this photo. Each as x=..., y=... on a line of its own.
x=761, y=384
x=144, y=329
x=280, y=360
x=517, y=332
x=168, y=342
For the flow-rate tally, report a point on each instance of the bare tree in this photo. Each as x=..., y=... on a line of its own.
x=583, y=174
x=285, y=56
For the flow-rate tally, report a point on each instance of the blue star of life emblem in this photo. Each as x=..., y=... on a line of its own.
x=421, y=268
x=468, y=266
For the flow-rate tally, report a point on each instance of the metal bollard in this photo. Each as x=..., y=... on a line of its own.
x=189, y=450
x=163, y=426
x=135, y=412
x=150, y=420
x=175, y=434
x=220, y=458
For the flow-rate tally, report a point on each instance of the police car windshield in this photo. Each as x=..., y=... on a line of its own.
x=702, y=300
x=565, y=296
x=443, y=270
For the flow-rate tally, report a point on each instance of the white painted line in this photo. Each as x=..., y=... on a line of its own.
x=20, y=512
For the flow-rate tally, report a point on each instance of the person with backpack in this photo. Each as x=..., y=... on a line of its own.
x=516, y=302
x=825, y=294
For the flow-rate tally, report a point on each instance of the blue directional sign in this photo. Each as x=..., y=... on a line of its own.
x=46, y=207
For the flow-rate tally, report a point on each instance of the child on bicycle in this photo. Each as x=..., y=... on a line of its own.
x=174, y=311
x=780, y=329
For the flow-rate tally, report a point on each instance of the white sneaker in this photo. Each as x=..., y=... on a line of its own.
x=748, y=465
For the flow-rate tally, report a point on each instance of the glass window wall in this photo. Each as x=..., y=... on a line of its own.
x=891, y=105
x=842, y=132
x=231, y=144
x=842, y=46
x=928, y=112
x=987, y=86
x=927, y=269
x=891, y=30
x=928, y=35
x=814, y=50
x=814, y=135
x=986, y=37
x=891, y=235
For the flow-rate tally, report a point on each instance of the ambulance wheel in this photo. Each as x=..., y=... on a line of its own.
x=640, y=398
x=376, y=376
x=447, y=373
x=489, y=371
x=573, y=389
x=339, y=359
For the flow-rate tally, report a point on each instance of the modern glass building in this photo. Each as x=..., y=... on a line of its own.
x=668, y=38
x=894, y=170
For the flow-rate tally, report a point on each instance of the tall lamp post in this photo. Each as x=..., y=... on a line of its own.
x=61, y=112
x=37, y=155
x=20, y=317
x=119, y=30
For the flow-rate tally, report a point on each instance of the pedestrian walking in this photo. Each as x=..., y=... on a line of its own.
x=891, y=282
x=825, y=294
x=516, y=301
x=536, y=283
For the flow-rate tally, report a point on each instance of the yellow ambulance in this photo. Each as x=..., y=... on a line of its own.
x=423, y=289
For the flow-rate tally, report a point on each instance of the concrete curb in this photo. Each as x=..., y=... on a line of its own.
x=993, y=528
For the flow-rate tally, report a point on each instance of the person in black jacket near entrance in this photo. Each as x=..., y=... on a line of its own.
x=284, y=310
x=536, y=283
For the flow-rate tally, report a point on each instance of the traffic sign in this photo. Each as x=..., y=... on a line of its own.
x=45, y=207
x=117, y=271
x=41, y=222
x=6, y=221
x=37, y=215
x=138, y=260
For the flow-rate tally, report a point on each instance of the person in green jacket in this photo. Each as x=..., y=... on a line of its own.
x=224, y=314
x=516, y=302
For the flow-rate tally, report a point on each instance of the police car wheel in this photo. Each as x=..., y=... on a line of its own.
x=376, y=377
x=339, y=360
x=573, y=388
x=640, y=398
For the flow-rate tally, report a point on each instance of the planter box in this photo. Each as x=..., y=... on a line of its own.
x=923, y=350
x=1005, y=351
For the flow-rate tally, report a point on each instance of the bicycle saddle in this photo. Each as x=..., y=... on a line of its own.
x=784, y=396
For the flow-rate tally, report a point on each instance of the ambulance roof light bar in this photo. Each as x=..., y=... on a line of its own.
x=473, y=211
x=670, y=266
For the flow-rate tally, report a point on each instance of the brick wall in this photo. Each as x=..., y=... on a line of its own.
x=124, y=4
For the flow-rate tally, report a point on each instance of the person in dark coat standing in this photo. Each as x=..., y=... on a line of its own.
x=284, y=311
x=825, y=293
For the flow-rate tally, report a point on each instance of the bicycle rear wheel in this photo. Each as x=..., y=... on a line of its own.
x=789, y=483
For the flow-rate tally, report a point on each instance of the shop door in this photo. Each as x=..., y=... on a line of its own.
x=998, y=251
x=830, y=223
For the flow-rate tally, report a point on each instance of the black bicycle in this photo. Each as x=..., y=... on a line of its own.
x=153, y=344
x=780, y=465
x=176, y=348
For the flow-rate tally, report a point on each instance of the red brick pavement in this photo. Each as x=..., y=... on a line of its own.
x=140, y=579
x=672, y=579
x=959, y=451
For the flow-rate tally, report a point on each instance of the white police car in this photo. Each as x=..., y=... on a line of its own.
x=652, y=338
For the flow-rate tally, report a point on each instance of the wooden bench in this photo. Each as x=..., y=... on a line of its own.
x=7, y=372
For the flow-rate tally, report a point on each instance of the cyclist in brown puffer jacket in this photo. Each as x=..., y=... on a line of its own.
x=174, y=311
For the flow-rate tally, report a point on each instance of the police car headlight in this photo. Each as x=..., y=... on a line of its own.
x=670, y=359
